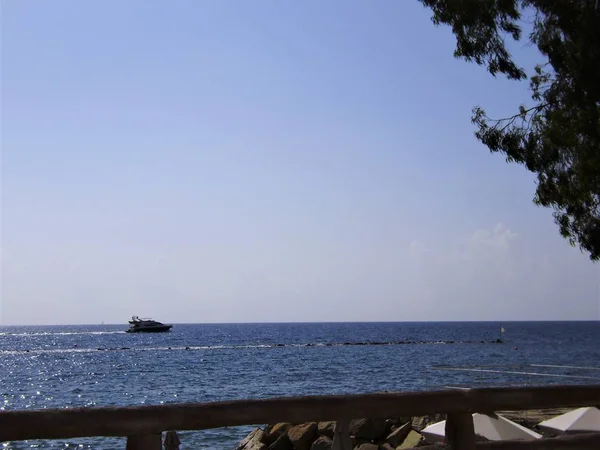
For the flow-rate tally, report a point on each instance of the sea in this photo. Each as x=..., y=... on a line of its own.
x=100, y=365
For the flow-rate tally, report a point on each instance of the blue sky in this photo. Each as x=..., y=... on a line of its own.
x=207, y=161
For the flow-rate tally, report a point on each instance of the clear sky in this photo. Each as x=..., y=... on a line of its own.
x=213, y=161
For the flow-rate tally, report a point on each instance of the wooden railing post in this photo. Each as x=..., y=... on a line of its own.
x=460, y=432
x=144, y=442
x=341, y=436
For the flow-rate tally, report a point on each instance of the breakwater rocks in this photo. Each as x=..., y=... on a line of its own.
x=365, y=434
x=77, y=349
x=311, y=344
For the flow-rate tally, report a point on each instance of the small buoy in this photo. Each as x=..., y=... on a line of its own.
x=75, y=345
x=516, y=348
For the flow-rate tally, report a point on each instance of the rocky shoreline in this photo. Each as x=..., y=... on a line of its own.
x=365, y=434
x=398, y=433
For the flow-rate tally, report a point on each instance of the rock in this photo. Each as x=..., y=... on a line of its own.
x=356, y=443
x=370, y=429
x=412, y=440
x=302, y=436
x=389, y=426
x=397, y=436
x=421, y=422
x=273, y=432
x=368, y=446
x=393, y=424
x=322, y=443
x=282, y=443
x=326, y=429
x=256, y=446
x=397, y=421
x=437, y=446
x=254, y=441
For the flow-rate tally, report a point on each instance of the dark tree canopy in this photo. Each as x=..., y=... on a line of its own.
x=556, y=136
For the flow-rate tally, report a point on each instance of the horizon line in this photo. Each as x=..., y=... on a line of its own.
x=317, y=322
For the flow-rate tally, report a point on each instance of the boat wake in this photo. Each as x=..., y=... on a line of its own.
x=62, y=333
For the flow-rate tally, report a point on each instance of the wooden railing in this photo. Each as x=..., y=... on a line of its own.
x=143, y=425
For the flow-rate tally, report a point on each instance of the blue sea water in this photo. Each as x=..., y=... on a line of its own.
x=74, y=366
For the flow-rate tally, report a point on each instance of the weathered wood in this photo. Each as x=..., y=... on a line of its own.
x=460, y=431
x=172, y=441
x=586, y=441
x=142, y=420
x=341, y=436
x=144, y=442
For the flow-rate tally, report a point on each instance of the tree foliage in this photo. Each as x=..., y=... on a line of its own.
x=557, y=136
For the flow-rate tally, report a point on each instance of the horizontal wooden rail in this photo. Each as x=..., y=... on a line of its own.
x=143, y=420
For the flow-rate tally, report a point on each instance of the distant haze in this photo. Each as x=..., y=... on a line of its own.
x=261, y=162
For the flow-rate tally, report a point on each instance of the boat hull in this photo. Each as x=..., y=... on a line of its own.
x=161, y=329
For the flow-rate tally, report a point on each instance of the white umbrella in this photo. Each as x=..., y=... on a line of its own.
x=576, y=421
x=491, y=427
